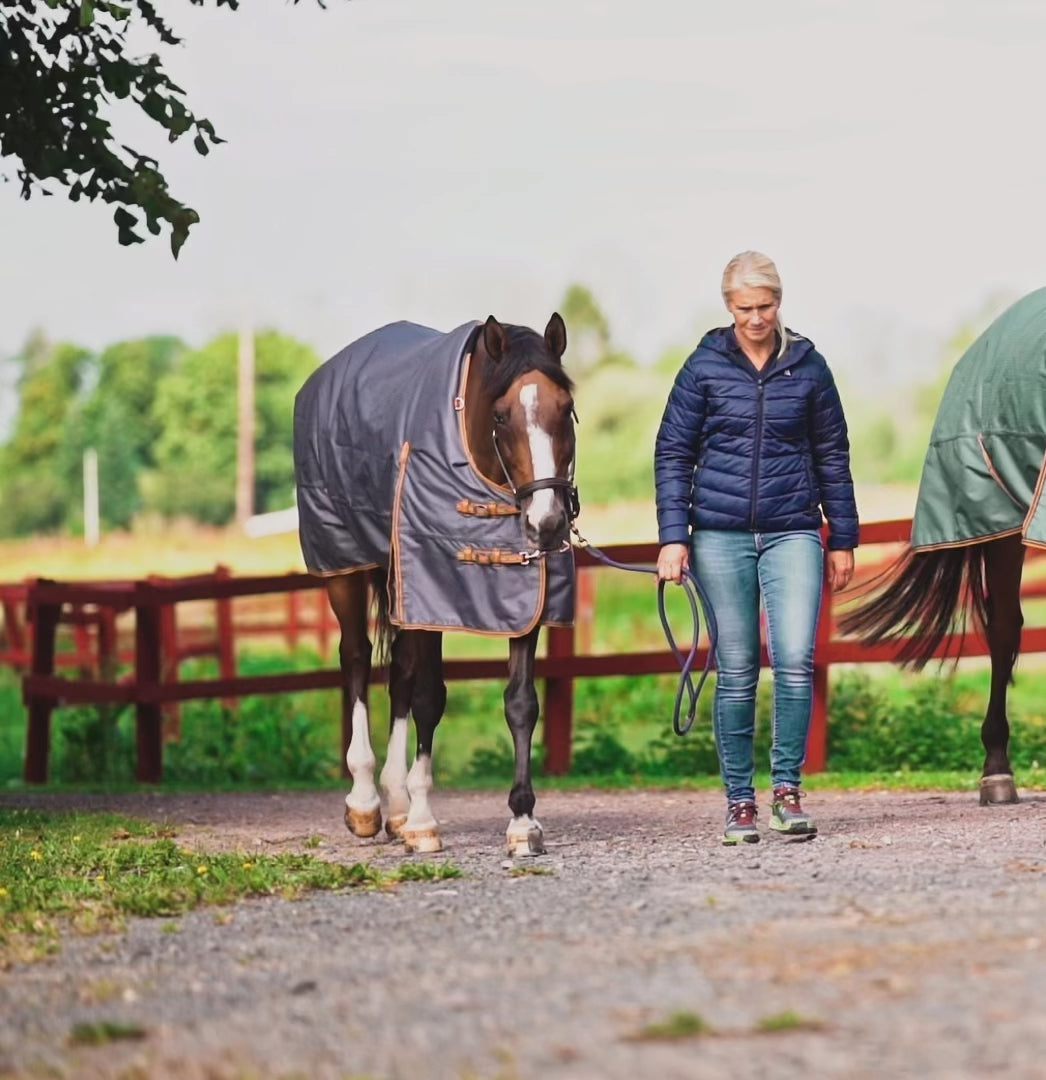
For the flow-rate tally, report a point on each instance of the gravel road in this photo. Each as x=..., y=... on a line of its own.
x=909, y=939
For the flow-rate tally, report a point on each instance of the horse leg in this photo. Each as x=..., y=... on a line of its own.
x=420, y=830
x=348, y=599
x=1003, y=561
x=402, y=670
x=524, y=835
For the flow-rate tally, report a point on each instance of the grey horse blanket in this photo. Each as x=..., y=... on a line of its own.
x=384, y=479
x=983, y=474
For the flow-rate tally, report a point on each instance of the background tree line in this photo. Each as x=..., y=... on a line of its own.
x=162, y=418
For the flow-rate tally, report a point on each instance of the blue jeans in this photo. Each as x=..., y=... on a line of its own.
x=786, y=570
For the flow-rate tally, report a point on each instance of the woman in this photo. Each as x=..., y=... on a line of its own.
x=752, y=446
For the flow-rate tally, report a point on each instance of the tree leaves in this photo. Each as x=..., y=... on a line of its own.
x=61, y=62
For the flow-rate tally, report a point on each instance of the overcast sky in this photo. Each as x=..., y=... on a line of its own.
x=438, y=160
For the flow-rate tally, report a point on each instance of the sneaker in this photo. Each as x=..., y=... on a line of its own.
x=787, y=814
x=740, y=823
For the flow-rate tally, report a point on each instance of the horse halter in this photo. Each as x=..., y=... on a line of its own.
x=564, y=484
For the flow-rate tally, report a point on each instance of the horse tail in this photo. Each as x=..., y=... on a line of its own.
x=920, y=598
x=383, y=628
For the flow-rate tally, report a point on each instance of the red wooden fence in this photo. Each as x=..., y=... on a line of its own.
x=159, y=645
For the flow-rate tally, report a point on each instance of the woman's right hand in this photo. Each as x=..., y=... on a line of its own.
x=672, y=561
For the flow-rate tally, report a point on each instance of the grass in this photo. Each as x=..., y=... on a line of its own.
x=680, y=1025
x=788, y=1021
x=90, y=872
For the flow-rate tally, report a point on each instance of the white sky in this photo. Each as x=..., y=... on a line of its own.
x=438, y=160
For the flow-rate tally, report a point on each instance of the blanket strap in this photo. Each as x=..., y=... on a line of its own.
x=494, y=557
x=484, y=510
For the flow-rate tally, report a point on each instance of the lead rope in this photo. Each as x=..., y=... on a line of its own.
x=695, y=593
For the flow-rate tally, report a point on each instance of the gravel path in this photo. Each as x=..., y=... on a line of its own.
x=910, y=938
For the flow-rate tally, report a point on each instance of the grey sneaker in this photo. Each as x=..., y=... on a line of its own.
x=740, y=823
x=787, y=814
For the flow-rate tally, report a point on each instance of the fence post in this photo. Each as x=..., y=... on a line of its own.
x=586, y=607
x=147, y=674
x=44, y=619
x=293, y=617
x=169, y=659
x=226, y=635
x=559, y=704
x=817, y=739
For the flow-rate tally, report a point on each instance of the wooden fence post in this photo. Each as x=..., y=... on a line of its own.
x=817, y=739
x=147, y=676
x=169, y=659
x=293, y=618
x=226, y=635
x=559, y=705
x=44, y=618
x=586, y=608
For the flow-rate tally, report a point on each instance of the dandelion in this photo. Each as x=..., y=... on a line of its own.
x=248, y=865
x=3, y=892
x=35, y=855
x=201, y=869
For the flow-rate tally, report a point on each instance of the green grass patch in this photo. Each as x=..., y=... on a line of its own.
x=101, y=1032
x=680, y=1025
x=788, y=1021
x=90, y=872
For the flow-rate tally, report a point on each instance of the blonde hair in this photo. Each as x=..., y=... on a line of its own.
x=754, y=270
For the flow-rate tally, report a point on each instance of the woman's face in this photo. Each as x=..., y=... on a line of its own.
x=755, y=315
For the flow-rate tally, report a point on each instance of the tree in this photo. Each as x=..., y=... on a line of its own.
x=35, y=495
x=61, y=63
x=195, y=474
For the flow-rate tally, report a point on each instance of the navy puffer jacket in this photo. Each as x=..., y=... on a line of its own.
x=762, y=451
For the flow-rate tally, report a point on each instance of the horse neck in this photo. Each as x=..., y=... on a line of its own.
x=478, y=420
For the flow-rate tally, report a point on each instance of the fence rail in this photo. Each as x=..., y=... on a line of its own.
x=159, y=643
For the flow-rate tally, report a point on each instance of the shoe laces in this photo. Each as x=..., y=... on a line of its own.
x=789, y=796
x=741, y=813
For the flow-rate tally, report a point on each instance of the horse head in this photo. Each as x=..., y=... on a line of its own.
x=520, y=425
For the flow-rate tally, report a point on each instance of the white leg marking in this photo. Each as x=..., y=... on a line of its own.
x=542, y=456
x=524, y=836
x=361, y=762
x=394, y=774
x=421, y=832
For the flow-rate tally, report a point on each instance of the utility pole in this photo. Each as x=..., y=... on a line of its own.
x=245, y=427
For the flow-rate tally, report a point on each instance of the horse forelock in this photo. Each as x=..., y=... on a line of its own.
x=526, y=352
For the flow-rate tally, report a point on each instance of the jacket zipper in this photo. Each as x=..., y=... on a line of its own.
x=756, y=453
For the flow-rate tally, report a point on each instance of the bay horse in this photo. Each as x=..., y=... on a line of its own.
x=515, y=409
x=979, y=508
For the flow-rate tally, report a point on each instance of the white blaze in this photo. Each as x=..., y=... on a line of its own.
x=542, y=456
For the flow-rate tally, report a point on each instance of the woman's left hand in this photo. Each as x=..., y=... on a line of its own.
x=840, y=569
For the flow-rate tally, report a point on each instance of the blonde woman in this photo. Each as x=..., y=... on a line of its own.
x=752, y=448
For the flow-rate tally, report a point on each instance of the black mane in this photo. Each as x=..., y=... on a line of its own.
x=526, y=351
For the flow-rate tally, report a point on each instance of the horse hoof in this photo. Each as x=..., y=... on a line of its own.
x=998, y=789
x=363, y=823
x=394, y=826
x=527, y=846
x=422, y=841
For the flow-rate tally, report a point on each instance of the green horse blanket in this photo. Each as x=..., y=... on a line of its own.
x=983, y=474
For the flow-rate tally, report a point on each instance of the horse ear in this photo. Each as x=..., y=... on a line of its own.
x=556, y=335
x=494, y=338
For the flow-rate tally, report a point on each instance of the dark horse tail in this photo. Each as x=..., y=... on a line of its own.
x=921, y=598
x=384, y=631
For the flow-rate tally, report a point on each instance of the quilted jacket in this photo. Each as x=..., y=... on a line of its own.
x=762, y=451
